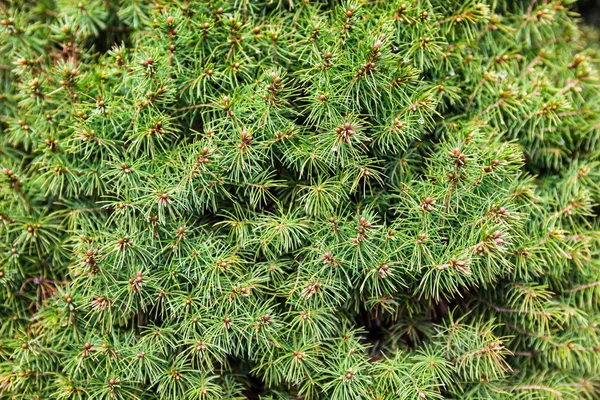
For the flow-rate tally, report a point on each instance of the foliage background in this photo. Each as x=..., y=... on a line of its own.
x=338, y=200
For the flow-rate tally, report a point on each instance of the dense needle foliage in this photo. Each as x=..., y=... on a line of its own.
x=287, y=199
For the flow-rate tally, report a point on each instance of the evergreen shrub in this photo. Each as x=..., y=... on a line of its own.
x=299, y=199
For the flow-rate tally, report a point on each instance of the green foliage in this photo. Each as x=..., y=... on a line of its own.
x=267, y=199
